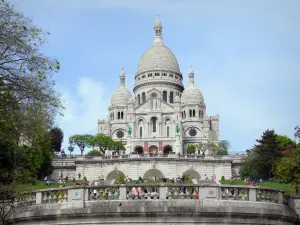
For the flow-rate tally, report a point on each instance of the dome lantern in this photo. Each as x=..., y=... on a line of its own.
x=191, y=75
x=157, y=31
x=122, y=78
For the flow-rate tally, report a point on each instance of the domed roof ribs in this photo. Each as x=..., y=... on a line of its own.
x=158, y=31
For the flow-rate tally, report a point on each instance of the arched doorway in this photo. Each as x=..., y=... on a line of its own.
x=115, y=174
x=139, y=149
x=167, y=149
x=153, y=150
x=153, y=173
x=192, y=174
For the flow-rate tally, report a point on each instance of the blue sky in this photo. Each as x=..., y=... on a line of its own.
x=245, y=54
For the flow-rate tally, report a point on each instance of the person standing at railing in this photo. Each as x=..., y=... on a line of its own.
x=140, y=192
x=134, y=192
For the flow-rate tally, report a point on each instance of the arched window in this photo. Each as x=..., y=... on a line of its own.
x=165, y=94
x=153, y=121
x=122, y=114
x=118, y=115
x=171, y=97
x=184, y=114
x=141, y=132
x=194, y=113
x=144, y=97
x=139, y=99
x=168, y=131
x=199, y=113
x=190, y=113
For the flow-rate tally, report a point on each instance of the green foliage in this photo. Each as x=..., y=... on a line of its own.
x=222, y=148
x=102, y=142
x=263, y=156
x=28, y=101
x=250, y=165
x=283, y=142
x=82, y=141
x=268, y=152
x=94, y=153
x=57, y=137
x=192, y=148
x=186, y=179
x=287, y=169
x=222, y=178
x=297, y=133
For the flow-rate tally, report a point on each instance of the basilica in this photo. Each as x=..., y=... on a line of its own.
x=162, y=116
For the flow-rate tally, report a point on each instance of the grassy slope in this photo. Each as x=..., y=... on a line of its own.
x=283, y=187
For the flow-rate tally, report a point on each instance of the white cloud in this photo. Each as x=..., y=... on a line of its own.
x=84, y=106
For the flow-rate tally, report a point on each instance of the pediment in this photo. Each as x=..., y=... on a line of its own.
x=154, y=91
x=162, y=106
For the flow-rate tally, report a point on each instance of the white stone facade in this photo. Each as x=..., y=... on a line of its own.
x=160, y=103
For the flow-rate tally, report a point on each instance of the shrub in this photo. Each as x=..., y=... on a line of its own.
x=222, y=178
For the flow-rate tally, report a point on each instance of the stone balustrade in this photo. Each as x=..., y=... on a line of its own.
x=142, y=192
x=156, y=204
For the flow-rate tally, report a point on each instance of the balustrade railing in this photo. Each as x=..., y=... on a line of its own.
x=59, y=161
x=174, y=191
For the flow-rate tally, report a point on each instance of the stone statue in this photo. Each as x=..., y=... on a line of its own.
x=177, y=128
x=129, y=129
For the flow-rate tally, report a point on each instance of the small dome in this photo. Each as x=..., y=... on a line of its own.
x=121, y=96
x=192, y=95
x=177, y=99
x=158, y=56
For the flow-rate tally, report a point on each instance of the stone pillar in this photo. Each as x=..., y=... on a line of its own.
x=77, y=196
x=38, y=198
x=252, y=194
x=163, y=193
x=280, y=197
x=178, y=144
x=128, y=145
x=122, y=193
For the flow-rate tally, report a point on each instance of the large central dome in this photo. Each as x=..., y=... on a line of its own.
x=158, y=55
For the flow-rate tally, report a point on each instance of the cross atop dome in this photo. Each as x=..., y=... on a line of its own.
x=157, y=31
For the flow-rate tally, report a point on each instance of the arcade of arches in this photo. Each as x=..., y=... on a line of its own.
x=149, y=174
x=115, y=174
x=153, y=149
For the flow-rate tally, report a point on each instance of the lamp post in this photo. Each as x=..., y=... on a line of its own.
x=62, y=163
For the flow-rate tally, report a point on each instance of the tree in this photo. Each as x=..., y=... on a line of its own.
x=102, y=142
x=9, y=194
x=203, y=147
x=192, y=148
x=94, y=153
x=250, y=164
x=221, y=148
x=24, y=70
x=28, y=100
x=71, y=149
x=285, y=144
x=297, y=133
x=117, y=146
x=57, y=137
x=268, y=151
x=82, y=141
x=287, y=169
